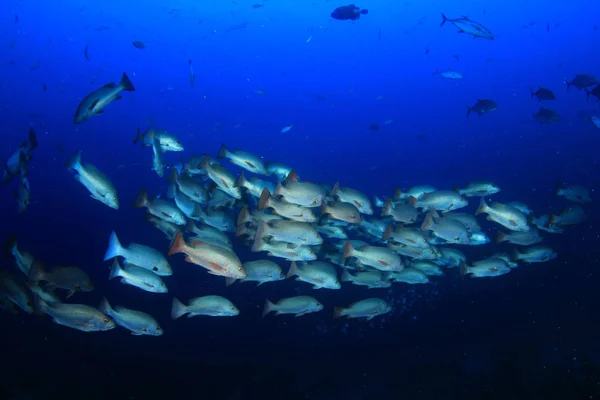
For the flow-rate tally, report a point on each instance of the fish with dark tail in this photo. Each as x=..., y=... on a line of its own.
x=350, y=12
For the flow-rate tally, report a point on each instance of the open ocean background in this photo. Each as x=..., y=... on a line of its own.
x=531, y=334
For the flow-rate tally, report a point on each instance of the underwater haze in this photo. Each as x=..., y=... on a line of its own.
x=377, y=200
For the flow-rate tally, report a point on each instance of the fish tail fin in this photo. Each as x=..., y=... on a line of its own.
x=141, y=200
x=75, y=161
x=114, y=247
x=464, y=268
x=190, y=226
x=568, y=83
x=557, y=189
x=397, y=194
x=515, y=256
x=262, y=230
x=551, y=220
x=229, y=281
x=177, y=308
x=244, y=216
x=267, y=308
x=428, y=222
x=257, y=244
x=241, y=181
x=337, y=312
x=386, y=210
x=483, y=207
x=323, y=208
x=293, y=270
x=32, y=139
x=178, y=245
x=36, y=272
x=336, y=189
x=444, y=19
x=292, y=177
x=265, y=199
x=500, y=237
x=115, y=270
x=388, y=232
x=126, y=83
x=346, y=277
x=347, y=250
x=223, y=152
x=139, y=136
x=105, y=307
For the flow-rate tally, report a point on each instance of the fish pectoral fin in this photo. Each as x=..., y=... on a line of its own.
x=91, y=107
x=383, y=263
x=370, y=317
x=118, y=97
x=216, y=266
x=317, y=287
x=136, y=334
x=301, y=313
x=248, y=163
x=71, y=293
x=512, y=222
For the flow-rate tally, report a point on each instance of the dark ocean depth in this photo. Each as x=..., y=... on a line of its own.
x=365, y=104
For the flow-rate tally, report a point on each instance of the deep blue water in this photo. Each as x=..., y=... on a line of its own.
x=530, y=334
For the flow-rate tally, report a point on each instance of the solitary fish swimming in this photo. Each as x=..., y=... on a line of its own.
x=94, y=103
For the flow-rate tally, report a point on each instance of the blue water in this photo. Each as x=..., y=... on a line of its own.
x=530, y=334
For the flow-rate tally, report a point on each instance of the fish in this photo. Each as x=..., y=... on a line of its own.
x=582, y=81
x=98, y=184
x=294, y=232
x=138, y=44
x=467, y=219
x=448, y=74
x=416, y=191
x=346, y=212
x=534, y=254
x=546, y=116
x=286, y=129
x=222, y=177
x=441, y=200
x=72, y=279
x=451, y=230
x=168, y=141
x=491, y=267
x=204, y=232
x=213, y=306
x=137, y=322
x=23, y=193
x=320, y=274
x=371, y=279
x=479, y=189
x=94, y=103
x=412, y=276
x=217, y=218
x=575, y=193
x=291, y=211
x=450, y=257
x=77, y=316
x=138, y=277
x=260, y=271
x=158, y=162
x=216, y=259
x=507, y=216
x=542, y=94
x=15, y=291
x=368, y=308
x=192, y=74
x=14, y=165
x=407, y=236
x=254, y=185
x=299, y=306
x=304, y=194
x=532, y=236
x=482, y=106
x=594, y=92
x=403, y=213
x=468, y=26
x=287, y=251
x=248, y=161
x=380, y=258
x=85, y=52
x=349, y=12
x=139, y=255
x=160, y=208
x=428, y=267
x=571, y=215
x=23, y=259
x=354, y=197
x=189, y=186
x=279, y=170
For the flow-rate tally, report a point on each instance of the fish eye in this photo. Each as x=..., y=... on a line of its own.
x=232, y=308
x=158, y=328
x=155, y=269
x=144, y=330
x=105, y=320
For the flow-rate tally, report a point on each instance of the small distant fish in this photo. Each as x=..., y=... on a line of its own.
x=287, y=128
x=542, y=94
x=449, y=74
x=236, y=27
x=15, y=18
x=576, y=193
x=546, y=116
x=34, y=66
x=260, y=92
x=138, y=44
x=534, y=254
x=482, y=106
x=137, y=322
x=369, y=309
x=85, y=52
x=139, y=255
x=192, y=74
x=374, y=127
x=44, y=87
x=349, y=12
x=466, y=25
x=72, y=279
x=76, y=316
x=94, y=103
x=309, y=39
x=102, y=28
x=300, y=305
x=139, y=277
x=257, y=5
